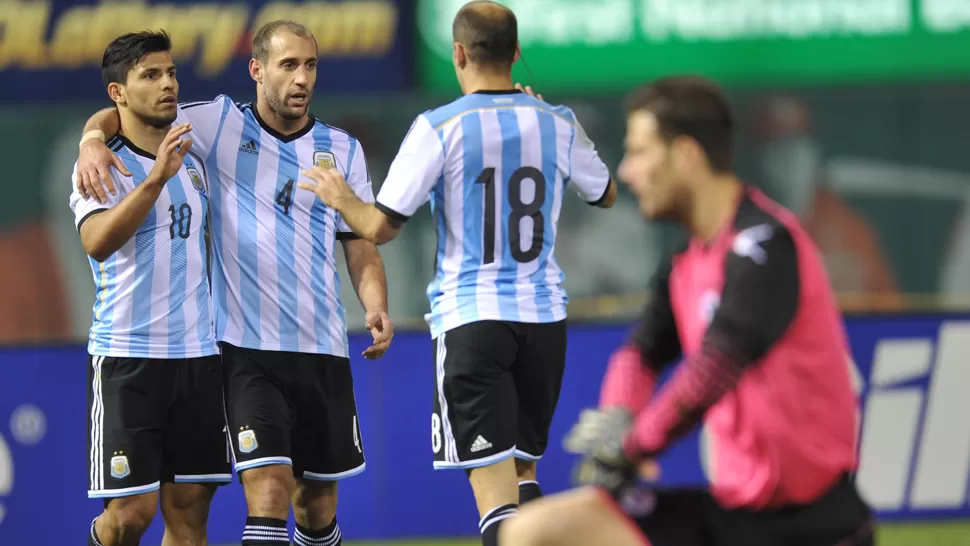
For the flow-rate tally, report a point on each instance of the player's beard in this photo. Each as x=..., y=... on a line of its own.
x=277, y=104
x=158, y=121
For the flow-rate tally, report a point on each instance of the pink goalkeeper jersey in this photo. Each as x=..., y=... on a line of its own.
x=765, y=365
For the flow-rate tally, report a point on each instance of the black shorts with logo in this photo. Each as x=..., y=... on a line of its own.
x=152, y=421
x=693, y=518
x=295, y=409
x=496, y=389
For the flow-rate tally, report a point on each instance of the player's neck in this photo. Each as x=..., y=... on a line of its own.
x=281, y=125
x=486, y=81
x=142, y=135
x=713, y=206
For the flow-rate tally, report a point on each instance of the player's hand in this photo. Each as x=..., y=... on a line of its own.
x=381, y=328
x=598, y=436
x=327, y=184
x=528, y=89
x=93, y=164
x=171, y=153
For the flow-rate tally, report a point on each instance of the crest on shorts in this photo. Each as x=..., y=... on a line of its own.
x=324, y=160
x=119, y=467
x=196, y=179
x=638, y=502
x=247, y=441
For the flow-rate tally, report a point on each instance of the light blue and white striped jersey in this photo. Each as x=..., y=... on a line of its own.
x=495, y=166
x=275, y=285
x=152, y=296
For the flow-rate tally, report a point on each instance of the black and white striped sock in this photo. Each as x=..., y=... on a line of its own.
x=265, y=532
x=529, y=491
x=490, y=522
x=328, y=536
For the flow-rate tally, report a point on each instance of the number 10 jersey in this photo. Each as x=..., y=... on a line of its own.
x=494, y=166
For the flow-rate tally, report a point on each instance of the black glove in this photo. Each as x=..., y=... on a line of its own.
x=598, y=437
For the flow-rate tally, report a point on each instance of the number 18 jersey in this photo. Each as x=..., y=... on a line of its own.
x=495, y=166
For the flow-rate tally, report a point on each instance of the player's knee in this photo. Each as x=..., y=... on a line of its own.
x=131, y=516
x=185, y=508
x=268, y=489
x=315, y=503
x=521, y=530
x=525, y=470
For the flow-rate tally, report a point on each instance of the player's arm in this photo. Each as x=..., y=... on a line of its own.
x=633, y=369
x=588, y=173
x=105, y=228
x=95, y=159
x=413, y=172
x=758, y=304
x=364, y=262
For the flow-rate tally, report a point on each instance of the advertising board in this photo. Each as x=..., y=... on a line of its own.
x=611, y=45
x=364, y=45
x=915, y=436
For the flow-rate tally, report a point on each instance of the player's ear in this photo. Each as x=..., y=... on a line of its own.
x=518, y=53
x=117, y=93
x=458, y=55
x=256, y=70
x=682, y=153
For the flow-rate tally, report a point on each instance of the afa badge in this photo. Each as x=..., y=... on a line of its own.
x=324, y=160
x=119, y=467
x=247, y=441
x=196, y=178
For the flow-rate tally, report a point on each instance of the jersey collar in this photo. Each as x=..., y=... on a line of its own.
x=278, y=135
x=496, y=92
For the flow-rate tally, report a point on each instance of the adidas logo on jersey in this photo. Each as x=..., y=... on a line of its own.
x=479, y=444
x=248, y=147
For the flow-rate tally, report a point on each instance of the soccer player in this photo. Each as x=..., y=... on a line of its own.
x=495, y=164
x=155, y=421
x=749, y=305
x=279, y=319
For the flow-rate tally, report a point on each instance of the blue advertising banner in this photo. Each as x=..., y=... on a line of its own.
x=365, y=45
x=915, y=436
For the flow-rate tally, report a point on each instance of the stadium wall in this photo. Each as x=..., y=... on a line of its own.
x=910, y=371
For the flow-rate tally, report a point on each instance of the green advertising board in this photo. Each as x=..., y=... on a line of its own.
x=612, y=45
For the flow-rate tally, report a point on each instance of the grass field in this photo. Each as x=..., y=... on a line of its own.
x=936, y=534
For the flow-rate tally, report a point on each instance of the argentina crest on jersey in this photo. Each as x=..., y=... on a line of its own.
x=324, y=160
x=196, y=178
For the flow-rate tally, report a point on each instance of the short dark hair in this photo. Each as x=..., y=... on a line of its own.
x=690, y=106
x=489, y=32
x=124, y=52
x=266, y=33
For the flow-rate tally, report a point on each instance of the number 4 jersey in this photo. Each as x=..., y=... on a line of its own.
x=152, y=295
x=495, y=166
x=275, y=285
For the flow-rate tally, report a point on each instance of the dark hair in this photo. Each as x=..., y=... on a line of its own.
x=489, y=32
x=690, y=106
x=266, y=33
x=124, y=52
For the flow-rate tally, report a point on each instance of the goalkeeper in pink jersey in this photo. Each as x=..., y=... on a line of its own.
x=748, y=304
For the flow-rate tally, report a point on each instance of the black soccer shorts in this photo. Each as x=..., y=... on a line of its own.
x=496, y=389
x=295, y=409
x=691, y=517
x=152, y=421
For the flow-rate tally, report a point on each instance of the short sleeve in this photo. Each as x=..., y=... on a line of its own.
x=761, y=292
x=205, y=118
x=418, y=165
x=587, y=172
x=358, y=178
x=85, y=208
